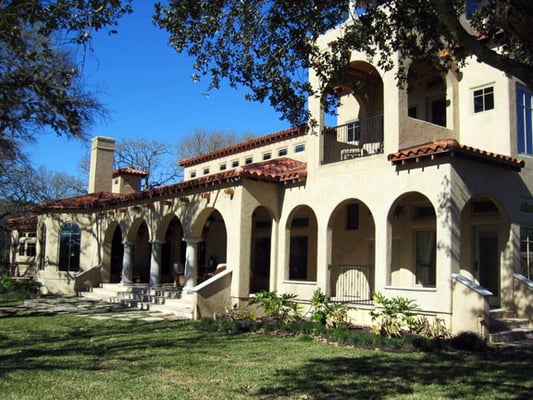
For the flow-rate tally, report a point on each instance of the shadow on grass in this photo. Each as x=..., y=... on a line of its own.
x=505, y=374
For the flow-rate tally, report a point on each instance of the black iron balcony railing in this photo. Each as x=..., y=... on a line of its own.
x=359, y=138
x=351, y=283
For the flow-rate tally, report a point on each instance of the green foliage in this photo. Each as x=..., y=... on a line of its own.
x=18, y=289
x=266, y=45
x=469, y=341
x=393, y=316
x=280, y=308
x=327, y=313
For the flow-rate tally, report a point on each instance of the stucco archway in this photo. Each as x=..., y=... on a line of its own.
x=261, y=243
x=351, y=252
x=412, y=221
x=302, y=247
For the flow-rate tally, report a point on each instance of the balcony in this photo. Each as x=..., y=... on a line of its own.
x=355, y=139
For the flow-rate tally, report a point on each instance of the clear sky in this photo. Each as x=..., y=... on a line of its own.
x=148, y=90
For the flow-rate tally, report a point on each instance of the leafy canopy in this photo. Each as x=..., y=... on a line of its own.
x=267, y=45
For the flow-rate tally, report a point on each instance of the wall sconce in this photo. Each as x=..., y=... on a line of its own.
x=168, y=203
x=123, y=210
x=137, y=208
x=229, y=192
x=111, y=213
x=184, y=199
x=206, y=196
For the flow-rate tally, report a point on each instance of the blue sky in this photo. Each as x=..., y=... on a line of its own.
x=148, y=90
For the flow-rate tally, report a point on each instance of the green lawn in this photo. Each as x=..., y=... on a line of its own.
x=73, y=357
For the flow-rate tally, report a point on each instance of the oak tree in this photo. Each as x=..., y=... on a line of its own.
x=267, y=45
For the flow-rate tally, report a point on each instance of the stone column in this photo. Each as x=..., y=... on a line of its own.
x=191, y=262
x=155, y=262
x=127, y=263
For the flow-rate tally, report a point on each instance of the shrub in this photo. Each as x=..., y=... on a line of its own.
x=469, y=341
x=18, y=289
x=330, y=314
x=394, y=316
x=280, y=308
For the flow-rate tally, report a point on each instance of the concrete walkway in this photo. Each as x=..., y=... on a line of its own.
x=82, y=307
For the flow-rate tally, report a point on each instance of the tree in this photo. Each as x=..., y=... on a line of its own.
x=41, y=85
x=201, y=141
x=266, y=45
x=155, y=157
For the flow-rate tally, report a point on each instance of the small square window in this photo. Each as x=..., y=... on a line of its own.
x=267, y=156
x=483, y=99
x=235, y=164
x=193, y=174
x=206, y=171
x=299, y=148
x=249, y=160
x=222, y=167
x=282, y=152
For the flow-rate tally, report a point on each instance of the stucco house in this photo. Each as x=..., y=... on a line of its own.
x=424, y=192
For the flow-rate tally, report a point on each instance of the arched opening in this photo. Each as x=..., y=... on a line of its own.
x=484, y=235
x=359, y=128
x=69, y=247
x=141, y=255
x=212, y=250
x=41, y=262
x=173, y=253
x=412, y=220
x=117, y=255
x=262, y=221
x=302, y=233
x=426, y=93
x=352, y=253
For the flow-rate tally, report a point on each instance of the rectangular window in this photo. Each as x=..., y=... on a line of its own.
x=526, y=206
x=524, y=120
x=248, y=160
x=31, y=249
x=352, y=216
x=222, y=167
x=235, y=164
x=526, y=251
x=193, y=174
x=483, y=99
x=282, y=152
x=206, y=171
x=299, y=148
x=353, y=131
x=21, y=249
x=267, y=156
x=426, y=252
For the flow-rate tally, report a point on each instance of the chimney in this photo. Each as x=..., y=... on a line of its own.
x=101, y=169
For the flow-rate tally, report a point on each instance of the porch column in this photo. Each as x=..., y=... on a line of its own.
x=155, y=262
x=191, y=262
x=127, y=263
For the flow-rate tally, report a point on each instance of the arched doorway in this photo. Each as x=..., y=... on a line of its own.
x=212, y=249
x=141, y=253
x=302, y=233
x=262, y=222
x=173, y=252
x=484, y=234
x=117, y=256
x=412, y=220
x=351, y=253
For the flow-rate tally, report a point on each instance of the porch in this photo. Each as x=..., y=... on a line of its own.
x=359, y=138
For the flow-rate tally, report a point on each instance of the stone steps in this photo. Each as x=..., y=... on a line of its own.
x=167, y=300
x=506, y=328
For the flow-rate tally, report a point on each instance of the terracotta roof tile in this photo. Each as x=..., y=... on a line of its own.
x=281, y=170
x=25, y=223
x=247, y=145
x=451, y=147
x=129, y=171
x=85, y=201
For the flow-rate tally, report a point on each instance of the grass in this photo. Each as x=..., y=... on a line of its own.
x=66, y=356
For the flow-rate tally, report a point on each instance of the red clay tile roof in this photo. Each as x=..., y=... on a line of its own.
x=85, y=201
x=282, y=170
x=25, y=223
x=450, y=147
x=248, y=145
x=129, y=171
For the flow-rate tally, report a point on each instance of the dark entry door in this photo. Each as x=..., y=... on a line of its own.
x=489, y=265
x=260, y=274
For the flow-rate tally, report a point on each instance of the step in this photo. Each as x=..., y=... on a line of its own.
x=507, y=324
x=499, y=313
x=524, y=335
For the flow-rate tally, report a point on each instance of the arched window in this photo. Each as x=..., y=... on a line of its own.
x=69, y=247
